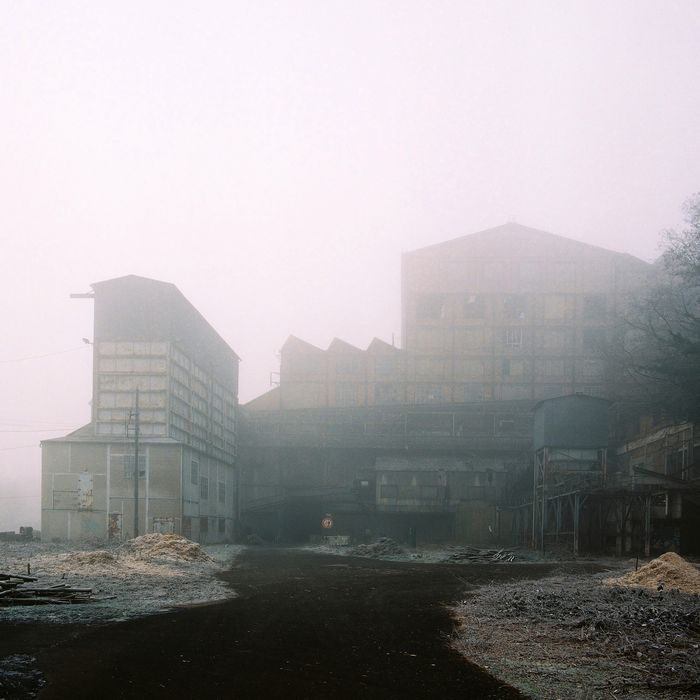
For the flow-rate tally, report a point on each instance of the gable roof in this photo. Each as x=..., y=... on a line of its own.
x=338, y=345
x=294, y=344
x=381, y=346
x=517, y=239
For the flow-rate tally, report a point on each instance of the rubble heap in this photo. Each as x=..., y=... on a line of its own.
x=667, y=572
x=382, y=547
x=165, y=546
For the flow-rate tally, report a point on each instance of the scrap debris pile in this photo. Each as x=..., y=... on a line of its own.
x=165, y=546
x=484, y=556
x=382, y=547
x=641, y=642
x=15, y=591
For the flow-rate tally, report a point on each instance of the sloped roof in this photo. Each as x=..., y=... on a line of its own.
x=338, y=345
x=378, y=346
x=517, y=235
x=295, y=344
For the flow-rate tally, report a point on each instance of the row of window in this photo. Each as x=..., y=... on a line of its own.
x=514, y=338
x=386, y=394
x=511, y=306
x=203, y=483
x=129, y=348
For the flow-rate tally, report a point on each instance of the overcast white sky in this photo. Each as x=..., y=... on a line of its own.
x=273, y=160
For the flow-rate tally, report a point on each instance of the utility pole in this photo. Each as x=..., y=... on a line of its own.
x=136, y=465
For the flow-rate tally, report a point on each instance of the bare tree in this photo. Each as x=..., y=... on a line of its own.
x=658, y=346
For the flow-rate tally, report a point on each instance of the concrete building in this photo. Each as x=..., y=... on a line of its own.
x=511, y=313
x=148, y=339
x=504, y=314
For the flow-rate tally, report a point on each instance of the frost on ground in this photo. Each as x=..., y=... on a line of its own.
x=580, y=637
x=150, y=574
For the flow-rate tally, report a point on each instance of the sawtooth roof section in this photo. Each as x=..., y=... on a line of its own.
x=379, y=346
x=340, y=346
x=294, y=344
x=519, y=240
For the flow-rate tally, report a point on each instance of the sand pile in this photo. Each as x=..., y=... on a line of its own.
x=167, y=546
x=99, y=557
x=669, y=571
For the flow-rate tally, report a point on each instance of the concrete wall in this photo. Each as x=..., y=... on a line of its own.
x=88, y=492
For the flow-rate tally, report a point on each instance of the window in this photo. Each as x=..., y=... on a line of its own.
x=473, y=306
x=558, y=306
x=428, y=493
x=429, y=393
x=512, y=368
x=471, y=392
x=593, y=338
x=594, y=306
x=384, y=366
x=347, y=364
x=430, y=306
x=345, y=394
x=127, y=463
x=514, y=307
x=389, y=491
x=222, y=492
x=194, y=472
x=204, y=488
x=386, y=393
x=513, y=338
x=203, y=527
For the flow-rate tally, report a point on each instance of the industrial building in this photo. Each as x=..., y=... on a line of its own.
x=437, y=472
x=504, y=314
x=492, y=323
x=159, y=368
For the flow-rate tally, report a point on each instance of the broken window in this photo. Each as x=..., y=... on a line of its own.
x=514, y=307
x=126, y=462
x=473, y=306
x=430, y=306
x=204, y=488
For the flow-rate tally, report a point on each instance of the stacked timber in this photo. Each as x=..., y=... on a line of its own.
x=16, y=589
x=484, y=556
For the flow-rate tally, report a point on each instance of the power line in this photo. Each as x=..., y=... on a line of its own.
x=18, y=447
x=48, y=354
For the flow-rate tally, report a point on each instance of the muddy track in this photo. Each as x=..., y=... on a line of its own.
x=304, y=626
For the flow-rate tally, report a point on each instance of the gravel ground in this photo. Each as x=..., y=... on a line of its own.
x=574, y=637
x=124, y=584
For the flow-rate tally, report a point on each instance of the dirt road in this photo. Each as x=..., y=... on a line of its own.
x=304, y=626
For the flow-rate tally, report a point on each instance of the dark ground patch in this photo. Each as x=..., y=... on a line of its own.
x=304, y=626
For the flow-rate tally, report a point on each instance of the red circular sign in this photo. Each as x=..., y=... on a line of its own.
x=327, y=523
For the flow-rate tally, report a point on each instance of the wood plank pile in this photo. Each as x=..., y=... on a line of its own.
x=484, y=556
x=16, y=590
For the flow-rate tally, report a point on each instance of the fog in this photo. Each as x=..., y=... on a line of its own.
x=273, y=160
